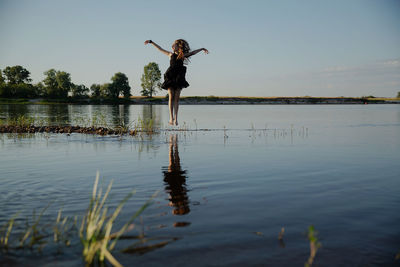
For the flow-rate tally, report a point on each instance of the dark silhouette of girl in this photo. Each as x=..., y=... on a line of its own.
x=175, y=180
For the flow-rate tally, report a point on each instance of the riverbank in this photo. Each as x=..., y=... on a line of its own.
x=209, y=100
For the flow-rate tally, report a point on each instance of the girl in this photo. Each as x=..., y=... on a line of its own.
x=174, y=77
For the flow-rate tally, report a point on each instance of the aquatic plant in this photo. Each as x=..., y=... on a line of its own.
x=62, y=229
x=20, y=121
x=225, y=135
x=195, y=123
x=281, y=233
x=98, y=119
x=34, y=234
x=95, y=231
x=5, y=234
x=280, y=237
x=314, y=245
x=144, y=125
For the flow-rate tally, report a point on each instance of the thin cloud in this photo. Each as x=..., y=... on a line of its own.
x=379, y=78
x=384, y=66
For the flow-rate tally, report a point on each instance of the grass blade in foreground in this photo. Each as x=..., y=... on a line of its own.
x=95, y=230
x=314, y=245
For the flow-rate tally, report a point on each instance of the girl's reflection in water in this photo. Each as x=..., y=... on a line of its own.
x=175, y=180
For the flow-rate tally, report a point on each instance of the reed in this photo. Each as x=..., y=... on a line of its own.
x=20, y=121
x=63, y=228
x=144, y=126
x=6, y=233
x=95, y=231
x=314, y=245
x=35, y=233
x=99, y=119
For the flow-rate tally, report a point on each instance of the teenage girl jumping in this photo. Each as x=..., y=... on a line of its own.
x=174, y=77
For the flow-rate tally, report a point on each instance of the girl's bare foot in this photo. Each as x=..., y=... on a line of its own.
x=171, y=122
x=176, y=123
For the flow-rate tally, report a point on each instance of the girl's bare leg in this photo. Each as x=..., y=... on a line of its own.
x=171, y=94
x=176, y=105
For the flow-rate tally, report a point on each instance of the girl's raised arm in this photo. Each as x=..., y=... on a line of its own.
x=194, y=52
x=158, y=47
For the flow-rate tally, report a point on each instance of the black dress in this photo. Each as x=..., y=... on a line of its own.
x=174, y=77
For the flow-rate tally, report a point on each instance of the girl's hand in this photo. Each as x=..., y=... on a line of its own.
x=146, y=42
x=205, y=51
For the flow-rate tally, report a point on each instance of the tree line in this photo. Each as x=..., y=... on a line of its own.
x=15, y=82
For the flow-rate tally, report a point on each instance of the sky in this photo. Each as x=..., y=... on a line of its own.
x=257, y=48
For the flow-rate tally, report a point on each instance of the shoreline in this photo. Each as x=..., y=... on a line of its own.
x=210, y=100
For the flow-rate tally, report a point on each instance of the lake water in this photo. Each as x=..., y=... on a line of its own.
x=226, y=185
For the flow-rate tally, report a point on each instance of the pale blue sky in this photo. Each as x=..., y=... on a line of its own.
x=257, y=48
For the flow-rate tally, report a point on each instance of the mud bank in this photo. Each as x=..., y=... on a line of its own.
x=67, y=130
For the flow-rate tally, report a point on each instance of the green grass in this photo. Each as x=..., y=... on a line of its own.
x=20, y=121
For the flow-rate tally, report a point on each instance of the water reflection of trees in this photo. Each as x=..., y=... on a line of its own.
x=14, y=111
x=175, y=180
x=152, y=112
x=58, y=114
x=125, y=115
x=64, y=114
x=120, y=114
x=51, y=114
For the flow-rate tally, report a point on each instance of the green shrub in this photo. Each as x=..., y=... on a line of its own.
x=21, y=90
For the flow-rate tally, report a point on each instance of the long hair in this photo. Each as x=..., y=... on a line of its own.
x=183, y=48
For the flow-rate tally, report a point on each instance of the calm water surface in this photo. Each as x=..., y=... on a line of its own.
x=226, y=186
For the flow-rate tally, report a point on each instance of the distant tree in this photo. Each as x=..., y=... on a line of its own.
x=120, y=84
x=95, y=90
x=79, y=90
x=398, y=95
x=17, y=85
x=22, y=90
x=2, y=83
x=16, y=75
x=113, y=90
x=64, y=83
x=40, y=89
x=50, y=83
x=58, y=83
x=150, y=79
x=105, y=90
x=2, y=80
